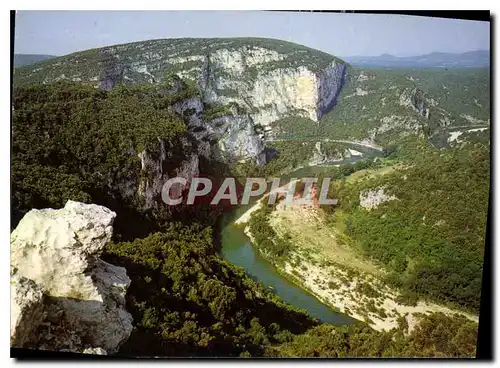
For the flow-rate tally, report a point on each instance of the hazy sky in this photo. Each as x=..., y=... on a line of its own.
x=63, y=32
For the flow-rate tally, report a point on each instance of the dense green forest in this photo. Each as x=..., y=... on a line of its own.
x=88, y=139
x=432, y=237
x=187, y=301
x=75, y=142
x=71, y=141
x=437, y=335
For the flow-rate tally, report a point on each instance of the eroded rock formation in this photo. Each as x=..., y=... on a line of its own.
x=267, y=79
x=63, y=297
x=416, y=100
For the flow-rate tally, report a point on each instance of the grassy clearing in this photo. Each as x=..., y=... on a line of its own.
x=313, y=237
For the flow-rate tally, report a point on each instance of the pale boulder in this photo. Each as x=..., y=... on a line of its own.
x=58, y=251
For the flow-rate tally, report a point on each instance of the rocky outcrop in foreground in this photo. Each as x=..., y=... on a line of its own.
x=63, y=297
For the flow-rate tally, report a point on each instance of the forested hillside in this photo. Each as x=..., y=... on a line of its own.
x=171, y=55
x=187, y=301
x=74, y=142
x=387, y=105
x=431, y=238
x=408, y=151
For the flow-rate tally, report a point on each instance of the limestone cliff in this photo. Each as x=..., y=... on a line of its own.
x=273, y=92
x=265, y=79
x=157, y=168
x=63, y=296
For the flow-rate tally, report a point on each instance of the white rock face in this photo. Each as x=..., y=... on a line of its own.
x=372, y=198
x=58, y=250
x=330, y=83
x=26, y=309
x=280, y=92
x=355, y=153
x=44, y=238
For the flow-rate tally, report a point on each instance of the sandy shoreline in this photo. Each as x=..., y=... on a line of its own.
x=333, y=284
x=243, y=219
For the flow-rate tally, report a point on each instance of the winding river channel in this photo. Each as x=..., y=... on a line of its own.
x=237, y=249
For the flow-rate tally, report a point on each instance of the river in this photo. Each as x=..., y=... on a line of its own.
x=237, y=249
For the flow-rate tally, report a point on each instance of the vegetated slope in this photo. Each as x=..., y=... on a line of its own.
x=72, y=141
x=431, y=236
x=28, y=59
x=185, y=299
x=75, y=142
x=419, y=214
x=386, y=105
x=170, y=55
x=249, y=82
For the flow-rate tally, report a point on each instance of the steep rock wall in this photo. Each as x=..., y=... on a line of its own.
x=157, y=168
x=299, y=92
x=267, y=79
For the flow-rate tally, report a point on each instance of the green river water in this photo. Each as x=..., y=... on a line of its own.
x=237, y=249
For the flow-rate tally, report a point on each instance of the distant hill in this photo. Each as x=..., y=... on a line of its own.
x=471, y=59
x=27, y=59
x=148, y=61
x=260, y=79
